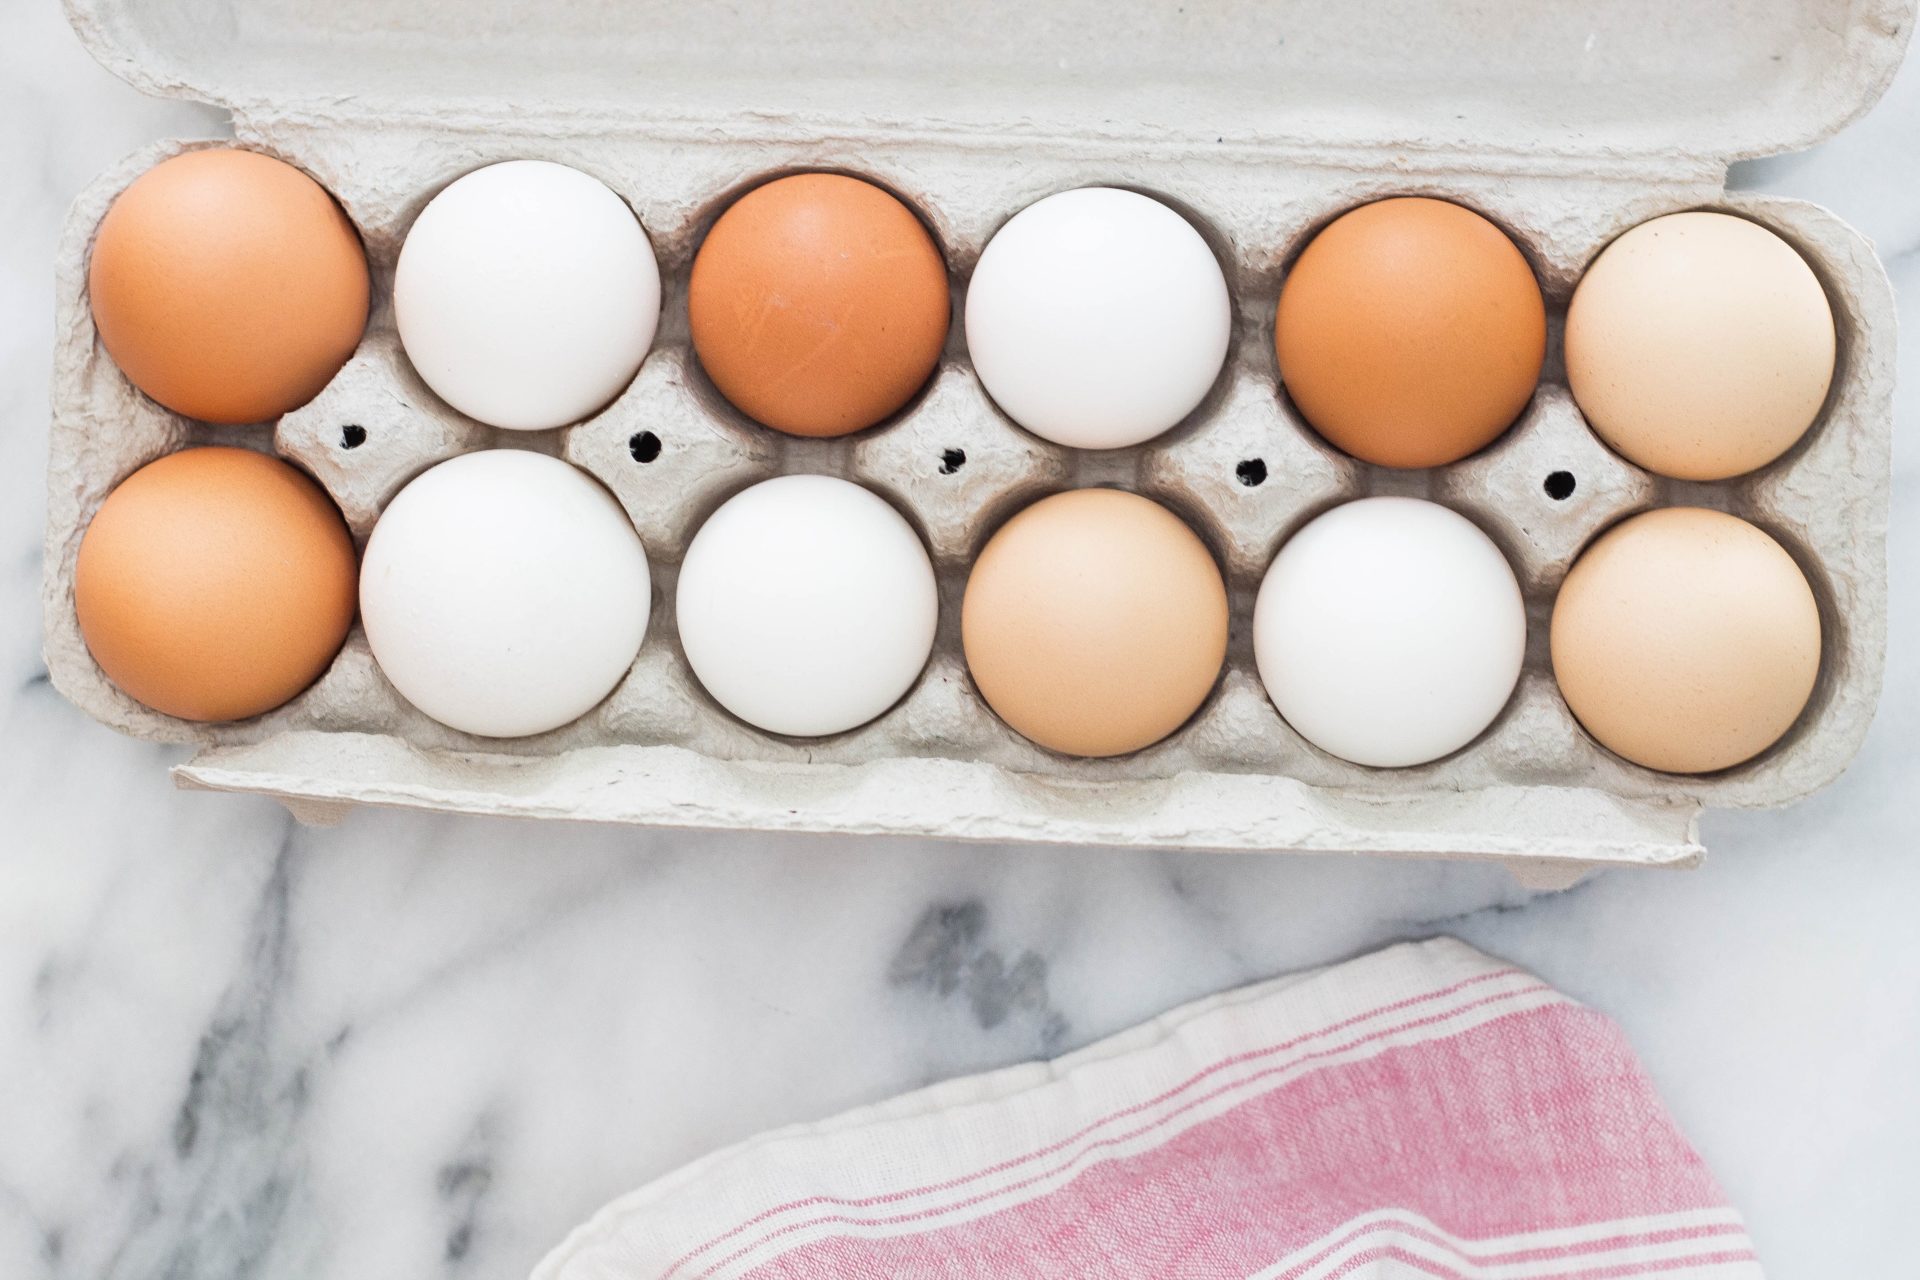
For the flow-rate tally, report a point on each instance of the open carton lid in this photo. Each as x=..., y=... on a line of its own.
x=1679, y=82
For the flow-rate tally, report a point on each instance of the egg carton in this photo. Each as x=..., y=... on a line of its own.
x=1566, y=123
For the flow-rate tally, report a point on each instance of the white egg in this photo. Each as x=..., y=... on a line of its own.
x=504, y=593
x=806, y=605
x=1389, y=631
x=527, y=295
x=1098, y=318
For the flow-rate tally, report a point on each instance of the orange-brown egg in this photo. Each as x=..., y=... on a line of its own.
x=228, y=285
x=1410, y=332
x=215, y=584
x=818, y=304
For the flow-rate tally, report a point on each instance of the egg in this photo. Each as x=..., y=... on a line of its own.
x=1389, y=631
x=227, y=285
x=527, y=295
x=806, y=605
x=1700, y=346
x=1098, y=318
x=1095, y=622
x=215, y=584
x=1686, y=640
x=818, y=304
x=504, y=593
x=1410, y=332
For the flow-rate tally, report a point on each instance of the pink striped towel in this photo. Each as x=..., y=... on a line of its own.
x=1423, y=1111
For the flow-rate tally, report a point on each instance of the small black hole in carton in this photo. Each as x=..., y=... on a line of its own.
x=352, y=436
x=1251, y=472
x=952, y=460
x=1560, y=485
x=644, y=447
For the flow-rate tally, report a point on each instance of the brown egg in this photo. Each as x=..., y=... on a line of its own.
x=1410, y=332
x=818, y=304
x=1686, y=640
x=1095, y=622
x=228, y=285
x=215, y=584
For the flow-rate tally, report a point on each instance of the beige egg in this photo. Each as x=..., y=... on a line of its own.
x=1686, y=640
x=1700, y=346
x=1095, y=622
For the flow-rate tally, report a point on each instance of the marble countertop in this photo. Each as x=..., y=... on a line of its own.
x=415, y=1046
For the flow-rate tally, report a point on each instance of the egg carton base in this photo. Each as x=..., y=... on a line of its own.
x=1268, y=122
x=1827, y=500
x=1548, y=836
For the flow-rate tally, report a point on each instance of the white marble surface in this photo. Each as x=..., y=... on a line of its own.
x=414, y=1046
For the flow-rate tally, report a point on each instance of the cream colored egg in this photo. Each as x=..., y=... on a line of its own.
x=1686, y=640
x=1700, y=345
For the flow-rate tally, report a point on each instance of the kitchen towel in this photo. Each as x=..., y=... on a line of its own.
x=1423, y=1111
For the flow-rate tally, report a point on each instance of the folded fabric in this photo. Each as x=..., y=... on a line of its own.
x=1422, y=1111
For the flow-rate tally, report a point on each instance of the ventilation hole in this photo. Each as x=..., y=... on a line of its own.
x=644, y=447
x=1560, y=486
x=1251, y=472
x=352, y=436
x=952, y=460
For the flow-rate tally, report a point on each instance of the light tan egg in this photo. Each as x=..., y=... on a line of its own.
x=1095, y=622
x=1700, y=346
x=1686, y=640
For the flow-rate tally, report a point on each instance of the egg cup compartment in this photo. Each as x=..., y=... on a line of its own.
x=1244, y=470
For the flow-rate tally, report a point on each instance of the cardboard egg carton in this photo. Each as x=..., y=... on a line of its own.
x=1261, y=122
